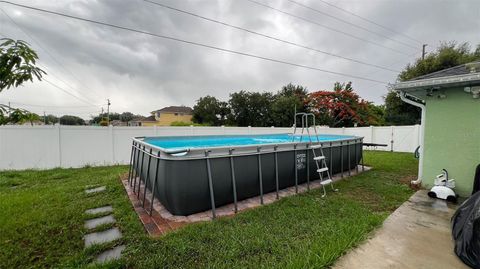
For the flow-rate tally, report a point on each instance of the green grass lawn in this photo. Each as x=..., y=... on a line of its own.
x=41, y=223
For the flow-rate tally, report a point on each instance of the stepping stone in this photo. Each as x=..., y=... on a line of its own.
x=93, y=223
x=95, y=190
x=102, y=237
x=111, y=254
x=103, y=209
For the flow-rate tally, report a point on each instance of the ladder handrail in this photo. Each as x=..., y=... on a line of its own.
x=305, y=125
x=323, y=162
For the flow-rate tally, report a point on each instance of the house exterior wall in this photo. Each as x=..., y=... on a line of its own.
x=452, y=139
x=166, y=119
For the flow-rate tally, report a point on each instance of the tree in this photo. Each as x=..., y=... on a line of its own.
x=341, y=107
x=251, y=108
x=126, y=116
x=398, y=112
x=283, y=109
x=294, y=90
x=17, y=65
x=20, y=116
x=377, y=114
x=71, y=120
x=31, y=118
x=448, y=54
x=103, y=117
x=209, y=110
x=51, y=119
x=289, y=98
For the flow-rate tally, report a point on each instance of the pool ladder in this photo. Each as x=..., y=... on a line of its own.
x=320, y=161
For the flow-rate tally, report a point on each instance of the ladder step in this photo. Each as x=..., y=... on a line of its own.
x=316, y=147
x=319, y=158
x=326, y=182
x=321, y=170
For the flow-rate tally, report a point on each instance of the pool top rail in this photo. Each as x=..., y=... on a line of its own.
x=194, y=147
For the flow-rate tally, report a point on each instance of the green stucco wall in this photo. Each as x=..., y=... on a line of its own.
x=452, y=139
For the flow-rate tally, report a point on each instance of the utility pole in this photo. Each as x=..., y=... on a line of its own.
x=423, y=51
x=9, y=109
x=108, y=111
x=44, y=118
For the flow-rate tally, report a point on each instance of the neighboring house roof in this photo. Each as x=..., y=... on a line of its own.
x=139, y=119
x=149, y=118
x=461, y=75
x=452, y=71
x=175, y=109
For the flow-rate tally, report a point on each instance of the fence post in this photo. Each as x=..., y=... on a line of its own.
x=112, y=143
x=59, y=136
x=391, y=141
x=249, y=129
x=372, y=134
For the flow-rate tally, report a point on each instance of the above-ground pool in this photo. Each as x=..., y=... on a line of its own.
x=190, y=174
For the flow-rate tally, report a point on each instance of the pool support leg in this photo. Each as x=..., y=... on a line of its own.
x=260, y=179
x=349, y=163
x=130, y=163
x=141, y=171
x=356, y=157
x=147, y=178
x=330, y=159
x=295, y=163
x=210, y=184
x=135, y=162
x=154, y=183
x=341, y=158
x=276, y=170
x=308, y=168
x=234, y=184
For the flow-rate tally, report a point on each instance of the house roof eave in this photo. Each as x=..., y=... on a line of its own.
x=448, y=81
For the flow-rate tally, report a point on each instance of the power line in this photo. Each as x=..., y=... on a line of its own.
x=393, y=64
x=66, y=112
x=60, y=88
x=51, y=106
x=349, y=23
x=325, y=26
x=46, y=51
x=268, y=36
x=51, y=111
x=67, y=92
x=370, y=21
x=193, y=43
x=44, y=67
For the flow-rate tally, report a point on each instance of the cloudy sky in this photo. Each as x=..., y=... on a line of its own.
x=88, y=63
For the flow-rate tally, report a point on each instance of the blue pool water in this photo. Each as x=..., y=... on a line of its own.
x=178, y=143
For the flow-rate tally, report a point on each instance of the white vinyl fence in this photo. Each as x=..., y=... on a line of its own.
x=41, y=147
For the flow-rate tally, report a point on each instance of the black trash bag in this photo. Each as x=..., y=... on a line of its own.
x=466, y=231
x=476, y=180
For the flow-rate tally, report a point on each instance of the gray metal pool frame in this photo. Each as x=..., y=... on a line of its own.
x=198, y=179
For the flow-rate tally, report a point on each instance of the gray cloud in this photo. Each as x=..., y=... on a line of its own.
x=141, y=73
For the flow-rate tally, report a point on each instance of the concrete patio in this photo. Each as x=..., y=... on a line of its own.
x=417, y=235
